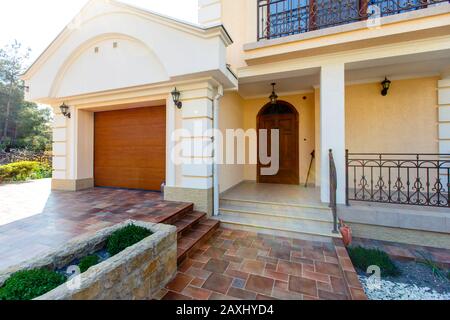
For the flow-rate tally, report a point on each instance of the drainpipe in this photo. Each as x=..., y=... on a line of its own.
x=216, y=141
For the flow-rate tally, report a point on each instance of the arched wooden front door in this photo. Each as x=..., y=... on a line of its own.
x=284, y=117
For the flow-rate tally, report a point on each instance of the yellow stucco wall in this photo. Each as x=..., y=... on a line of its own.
x=231, y=117
x=404, y=121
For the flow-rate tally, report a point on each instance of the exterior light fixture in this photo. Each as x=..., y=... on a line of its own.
x=386, y=84
x=65, y=110
x=176, y=98
x=273, y=97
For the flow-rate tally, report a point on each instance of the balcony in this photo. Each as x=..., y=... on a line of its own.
x=281, y=18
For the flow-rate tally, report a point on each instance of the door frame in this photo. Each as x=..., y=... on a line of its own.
x=297, y=139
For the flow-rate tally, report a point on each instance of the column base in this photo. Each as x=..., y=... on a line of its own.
x=72, y=185
x=202, y=198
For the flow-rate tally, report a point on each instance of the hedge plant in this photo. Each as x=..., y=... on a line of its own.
x=88, y=262
x=30, y=284
x=363, y=258
x=126, y=237
x=25, y=170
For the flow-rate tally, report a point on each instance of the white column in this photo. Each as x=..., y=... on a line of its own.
x=60, y=148
x=444, y=119
x=332, y=127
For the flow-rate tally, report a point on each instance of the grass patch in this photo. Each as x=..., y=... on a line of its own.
x=126, y=237
x=88, y=262
x=30, y=284
x=24, y=171
x=363, y=258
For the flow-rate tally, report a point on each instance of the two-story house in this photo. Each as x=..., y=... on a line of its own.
x=144, y=101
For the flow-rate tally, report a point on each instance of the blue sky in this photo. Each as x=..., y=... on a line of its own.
x=35, y=23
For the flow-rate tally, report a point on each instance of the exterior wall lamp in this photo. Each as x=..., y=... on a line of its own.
x=386, y=84
x=273, y=97
x=176, y=98
x=65, y=110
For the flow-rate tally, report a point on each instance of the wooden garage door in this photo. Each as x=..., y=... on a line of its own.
x=130, y=148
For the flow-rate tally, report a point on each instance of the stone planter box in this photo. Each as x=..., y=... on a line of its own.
x=137, y=273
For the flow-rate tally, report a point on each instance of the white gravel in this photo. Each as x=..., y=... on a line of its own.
x=387, y=290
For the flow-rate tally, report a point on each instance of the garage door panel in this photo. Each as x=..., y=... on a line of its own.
x=130, y=148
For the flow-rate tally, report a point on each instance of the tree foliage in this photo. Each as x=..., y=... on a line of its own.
x=22, y=124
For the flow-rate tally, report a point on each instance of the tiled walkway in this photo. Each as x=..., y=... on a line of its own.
x=249, y=266
x=34, y=220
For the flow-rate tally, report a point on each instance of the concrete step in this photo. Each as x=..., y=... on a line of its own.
x=306, y=211
x=190, y=239
x=301, y=229
x=278, y=212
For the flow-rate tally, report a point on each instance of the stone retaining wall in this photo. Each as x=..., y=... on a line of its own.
x=137, y=273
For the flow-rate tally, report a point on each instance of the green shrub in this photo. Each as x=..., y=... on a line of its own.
x=364, y=258
x=25, y=170
x=30, y=284
x=125, y=237
x=88, y=262
x=448, y=275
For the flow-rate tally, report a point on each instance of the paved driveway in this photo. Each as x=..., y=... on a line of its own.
x=34, y=220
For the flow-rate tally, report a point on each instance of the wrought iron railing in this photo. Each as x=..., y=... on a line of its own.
x=411, y=179
x=333, y=191
x=280, y=18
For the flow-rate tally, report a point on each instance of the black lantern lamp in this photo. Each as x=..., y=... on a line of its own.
x=176, y=98
x=65, y=110
x=386, y=84
x=273, y=97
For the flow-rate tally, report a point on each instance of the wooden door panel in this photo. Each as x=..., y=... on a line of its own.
x=130, y=148
x=287, y=124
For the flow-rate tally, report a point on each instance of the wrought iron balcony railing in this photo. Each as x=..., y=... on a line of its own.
x=412, y=179
x=280, y=18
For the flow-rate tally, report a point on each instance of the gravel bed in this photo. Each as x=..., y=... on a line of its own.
x=417, y=282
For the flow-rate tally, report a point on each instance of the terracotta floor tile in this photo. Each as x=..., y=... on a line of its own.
x=328, y=268
x=358, y=294
x=260, y=284
x=179, y=283
x=218, y=297
x=276, y=275
x=197, y=293
x=216, y=253
x=325, y=295
x=253, y=266
x=248, y=253
x=316, y=276
x=241, y=294
x=197, y=282
x=338, y=285
x=286, y=295
x=282, y=285
x=262, y=297
x=237, y=274
x=303, y=285
x=175, y=296
x=218, y=283
x=290, y=268
x=198, y=273
x=281, y=253
x=216, y=265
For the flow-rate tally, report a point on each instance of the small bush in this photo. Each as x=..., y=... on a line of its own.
x=88, y=262
x=125, y=237
x=448, y=275
x=25, y=170
x=364, y=258
x=30, y=284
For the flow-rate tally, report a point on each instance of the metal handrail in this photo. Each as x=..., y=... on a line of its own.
x=333, y=191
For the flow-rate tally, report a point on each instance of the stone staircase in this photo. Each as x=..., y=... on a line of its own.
x=193, y=227
x=307, y=222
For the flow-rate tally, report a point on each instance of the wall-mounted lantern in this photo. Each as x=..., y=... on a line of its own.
x=176, y=98
x=273, y=97
x=386, y=84
x=65, y=110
